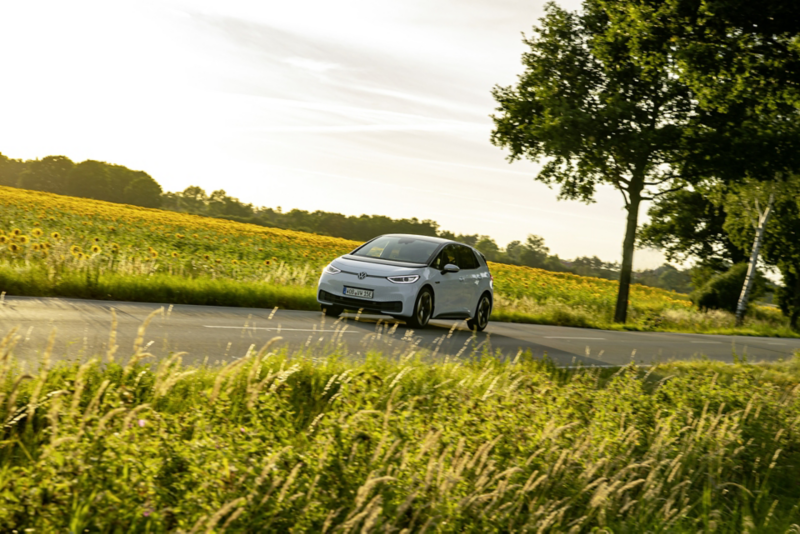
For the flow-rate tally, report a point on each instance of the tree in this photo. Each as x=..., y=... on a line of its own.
x=194, y=199
x=89, y=179
x=143, y=191
x=47, y=174
x=777, y=203
x=689, y=224
x=593, y=115
x=10, y=170
x=534, y=252
x=487, y=246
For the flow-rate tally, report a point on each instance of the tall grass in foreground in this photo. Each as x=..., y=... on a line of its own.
x=316, y=441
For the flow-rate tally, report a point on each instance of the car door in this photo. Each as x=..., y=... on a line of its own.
x=469, y=277
x=446, y=286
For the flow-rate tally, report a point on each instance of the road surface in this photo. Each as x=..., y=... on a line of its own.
x=217, y=334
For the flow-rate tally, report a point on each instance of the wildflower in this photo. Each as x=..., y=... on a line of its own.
x=142, y=422
x=96, y=250
x=56, y=236
x=37, y=232
x=175, y=254
x=23, y=239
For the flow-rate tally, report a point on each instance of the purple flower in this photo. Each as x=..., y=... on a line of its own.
x=142, y=422
x=241, y=428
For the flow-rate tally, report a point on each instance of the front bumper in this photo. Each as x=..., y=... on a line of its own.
x=389, y=298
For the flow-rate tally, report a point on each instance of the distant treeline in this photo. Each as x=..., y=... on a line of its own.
x=116, y=183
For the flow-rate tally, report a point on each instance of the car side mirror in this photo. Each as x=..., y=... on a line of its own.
x=450, y=268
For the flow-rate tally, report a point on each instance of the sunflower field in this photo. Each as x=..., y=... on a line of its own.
x=53, y=245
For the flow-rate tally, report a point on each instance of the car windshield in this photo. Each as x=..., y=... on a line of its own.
x=399, y=248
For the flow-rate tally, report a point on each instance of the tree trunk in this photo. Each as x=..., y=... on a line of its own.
x=621, y=311
x=794, y=309
x=763, y=219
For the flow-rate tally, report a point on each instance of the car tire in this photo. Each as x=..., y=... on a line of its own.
x=332, y=311
x=423, y=309
x=482, y=312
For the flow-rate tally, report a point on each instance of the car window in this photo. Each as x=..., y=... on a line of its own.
x=466, y=258
x=447, y=255
x=398, y=248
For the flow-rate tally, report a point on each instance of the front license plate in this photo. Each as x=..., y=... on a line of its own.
x=356, y=292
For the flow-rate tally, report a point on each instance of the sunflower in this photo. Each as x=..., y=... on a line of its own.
x=179, y=236
x=16, y=231
x=35, y=246
x=75, y=250
x=44, y=253
x=153, y=253
x=206, y=257
x=96, y=250
x=37, y=232
x=13, y=247
x=96, y=239
x=55, y=235
x=218, y=260
x=3, y=240
x=22, y=239
x=114, y=248
x=175, y=254
x=195, y=236
x=235, y=262
x=266, y=262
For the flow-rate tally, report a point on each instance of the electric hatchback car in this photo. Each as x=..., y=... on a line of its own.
x=411, y=277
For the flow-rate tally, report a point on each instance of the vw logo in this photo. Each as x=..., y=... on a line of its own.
x=362, y=275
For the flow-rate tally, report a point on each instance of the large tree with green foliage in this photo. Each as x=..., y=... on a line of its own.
x=594, y=115
x=47, y=174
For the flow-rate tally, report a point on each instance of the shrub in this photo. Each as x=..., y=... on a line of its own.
x=722, y=291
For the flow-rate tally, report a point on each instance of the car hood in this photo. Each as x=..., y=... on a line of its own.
x=375, y=266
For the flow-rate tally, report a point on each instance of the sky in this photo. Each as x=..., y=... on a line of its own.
x=354, y=106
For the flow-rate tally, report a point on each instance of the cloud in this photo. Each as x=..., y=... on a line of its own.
x=311, y=64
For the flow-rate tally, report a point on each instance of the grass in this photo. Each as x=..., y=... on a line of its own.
x=52, y=245
x=322, y=441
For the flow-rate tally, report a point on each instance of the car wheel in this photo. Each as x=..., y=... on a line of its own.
x=482, y=312
x=423, y=309
x=332, y=311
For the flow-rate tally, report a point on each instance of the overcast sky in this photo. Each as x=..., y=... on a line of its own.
x=353, y=106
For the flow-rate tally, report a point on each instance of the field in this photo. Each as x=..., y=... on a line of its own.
x=51, y=245
x=319, y=441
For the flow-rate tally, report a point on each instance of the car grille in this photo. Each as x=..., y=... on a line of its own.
x=356, y=304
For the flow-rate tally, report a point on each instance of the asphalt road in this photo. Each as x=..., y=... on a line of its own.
x=218, y=334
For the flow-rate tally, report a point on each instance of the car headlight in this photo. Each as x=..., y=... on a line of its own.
x=330, y=269
x=407, y=279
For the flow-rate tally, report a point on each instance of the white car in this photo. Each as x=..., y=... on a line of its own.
x=414, y=278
